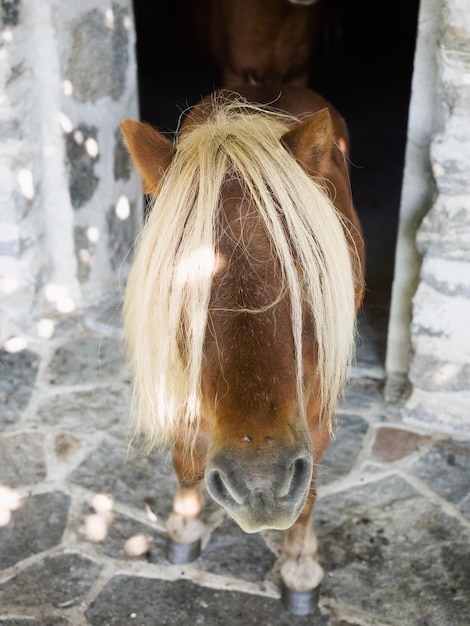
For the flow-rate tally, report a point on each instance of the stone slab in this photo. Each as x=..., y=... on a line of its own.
x=99, y=69
x=433, y=374
x=37, y=524
x=103, y=408
x=362, y=394
x=130, y=478
x=87, y=361
x=18, y=372
x=148, y=602
x=392, y=444
x=22, y=460
x=341, y=454
x=446, y=469
x=231, y=552
x=56, y=581
x=390, y=553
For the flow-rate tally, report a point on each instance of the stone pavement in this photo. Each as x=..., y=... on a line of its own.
x=82, y=537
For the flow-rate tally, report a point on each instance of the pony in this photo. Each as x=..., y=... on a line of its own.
x=264, y=41
x=240, y=311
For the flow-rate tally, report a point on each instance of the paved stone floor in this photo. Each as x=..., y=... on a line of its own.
x=82, y=537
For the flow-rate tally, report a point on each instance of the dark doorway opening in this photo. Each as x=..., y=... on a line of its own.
x=363, y=65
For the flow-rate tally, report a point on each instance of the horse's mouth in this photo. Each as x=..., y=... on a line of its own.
x=254, y=519
x=251, y=526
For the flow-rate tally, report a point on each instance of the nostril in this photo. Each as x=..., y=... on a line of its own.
x=301, y=467
x=300, y=477
x=217, y=484
x=218, y=489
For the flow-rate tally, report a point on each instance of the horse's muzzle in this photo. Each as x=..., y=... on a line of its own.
x=260, y=493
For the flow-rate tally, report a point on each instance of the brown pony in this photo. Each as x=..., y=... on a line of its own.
x=240, y=309
x=261, y=42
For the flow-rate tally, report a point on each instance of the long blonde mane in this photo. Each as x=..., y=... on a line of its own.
x=169, y=287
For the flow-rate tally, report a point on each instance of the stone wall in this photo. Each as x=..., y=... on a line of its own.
x=437, y=362
x=70, y=205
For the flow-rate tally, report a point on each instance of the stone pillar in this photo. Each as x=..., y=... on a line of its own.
x=439, y=359
x=418, y=189
x=70, y=206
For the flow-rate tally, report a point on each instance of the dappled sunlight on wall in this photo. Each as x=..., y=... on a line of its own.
x=10, y=501
x=58, y=295
x=25, y=181
x=123, y=209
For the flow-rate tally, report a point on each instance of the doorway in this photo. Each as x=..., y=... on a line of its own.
x=363, y=65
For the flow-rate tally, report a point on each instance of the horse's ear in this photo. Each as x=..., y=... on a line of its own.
x=311, y=142
x=151, y=152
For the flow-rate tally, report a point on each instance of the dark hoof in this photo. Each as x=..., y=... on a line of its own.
x=300, y=602
x=180, y=553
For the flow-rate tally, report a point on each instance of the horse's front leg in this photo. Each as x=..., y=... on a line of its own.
x=301, y=572
x=184, y=526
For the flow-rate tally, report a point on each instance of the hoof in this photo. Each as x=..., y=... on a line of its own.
x=180, y=553
x=300, y=602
